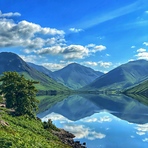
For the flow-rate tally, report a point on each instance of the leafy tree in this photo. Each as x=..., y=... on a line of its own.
x=19, y=92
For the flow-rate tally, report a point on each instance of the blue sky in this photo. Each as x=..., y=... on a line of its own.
x=101, y=34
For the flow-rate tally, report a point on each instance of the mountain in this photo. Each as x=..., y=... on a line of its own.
x=121, y=77
x=12, y=62
x=141, y=88
x=41, y=69
x=76, y=76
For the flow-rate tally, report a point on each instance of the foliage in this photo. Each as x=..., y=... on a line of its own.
x=22, y=132
x=19, y=92
x=48, y=125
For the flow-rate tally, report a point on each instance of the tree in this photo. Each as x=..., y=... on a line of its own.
x=19, y=92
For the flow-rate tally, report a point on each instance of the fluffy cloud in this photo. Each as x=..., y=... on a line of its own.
x=105, y=119
x=54, y=66
x=95, y=48
x=105, y=64
x=80, y=131
x=10, y=14
x=145, y=43
x=30, y=58
x=141, y=50
x=90, y=63
x=142, y=129
x=75, y=30
x=142, y=55
x=25, y=34
x=69, y=52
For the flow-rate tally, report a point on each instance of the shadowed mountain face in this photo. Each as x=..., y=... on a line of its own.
x=78, y=107
x=12, y=62
x=121, y=77
x=76, y=76
x=41, y=69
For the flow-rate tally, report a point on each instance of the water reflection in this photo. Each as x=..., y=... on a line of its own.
x=76, y=107
x=102, y=121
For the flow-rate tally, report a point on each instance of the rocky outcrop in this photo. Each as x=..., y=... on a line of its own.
x=67, y=138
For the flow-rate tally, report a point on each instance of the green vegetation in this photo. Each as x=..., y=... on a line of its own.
x=22, y=132
x=23, y=129
x=46, y=83
x=141, y=88
x=139, y=92
x=19, y=93
x=121, y=77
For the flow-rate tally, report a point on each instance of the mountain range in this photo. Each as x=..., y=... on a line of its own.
x=12, y=62
x=122, y=77
x=73, y=76
x=76, y=76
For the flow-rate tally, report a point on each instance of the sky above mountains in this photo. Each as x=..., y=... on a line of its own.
x=101, y=34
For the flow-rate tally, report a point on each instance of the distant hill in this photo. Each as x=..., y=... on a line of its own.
x=121, y=77
x=76, y=76
x=12, y=62
x=141, y=88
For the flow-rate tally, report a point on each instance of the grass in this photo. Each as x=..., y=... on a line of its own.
x=23, y=132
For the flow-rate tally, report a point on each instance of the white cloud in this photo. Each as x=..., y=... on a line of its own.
x=94, y=135
x=75, y=52
x=105, y=64
x=98, y=48
x=95, y=48
x=54, y=66
x=68, y=52
x=75, y=30
x=90, y=45
x=26, y=34
x=141, y=50
x=145, y=140
x=142, y=129
x=80, y=131
x=90, y=63
x=90, y=120
x=30, y=58
x=140, y=133
x=108, y=55
x=10, y=14
x=105, y=119
x=133, y=46
x=54, y=116
x=142, y=55
x=146, y=12
x=145, y=43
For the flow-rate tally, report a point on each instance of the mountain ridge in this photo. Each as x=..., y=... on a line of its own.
x=12, y=62
x=121, y=77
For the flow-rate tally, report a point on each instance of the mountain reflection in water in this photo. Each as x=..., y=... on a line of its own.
x=114, y=121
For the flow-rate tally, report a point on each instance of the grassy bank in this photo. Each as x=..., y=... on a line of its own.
x=23, y=132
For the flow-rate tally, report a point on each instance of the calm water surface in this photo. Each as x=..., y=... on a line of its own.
x=113, y=121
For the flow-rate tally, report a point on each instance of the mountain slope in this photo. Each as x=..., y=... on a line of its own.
x=141, y=88
x=121, y=77
x=76, y=76
x=12, y=62
x=41, y=69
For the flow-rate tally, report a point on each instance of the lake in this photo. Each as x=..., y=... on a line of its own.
x=113, y=121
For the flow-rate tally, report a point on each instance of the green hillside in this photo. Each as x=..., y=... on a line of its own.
x=22, y=132
x=141, y=88
x=121, y=77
